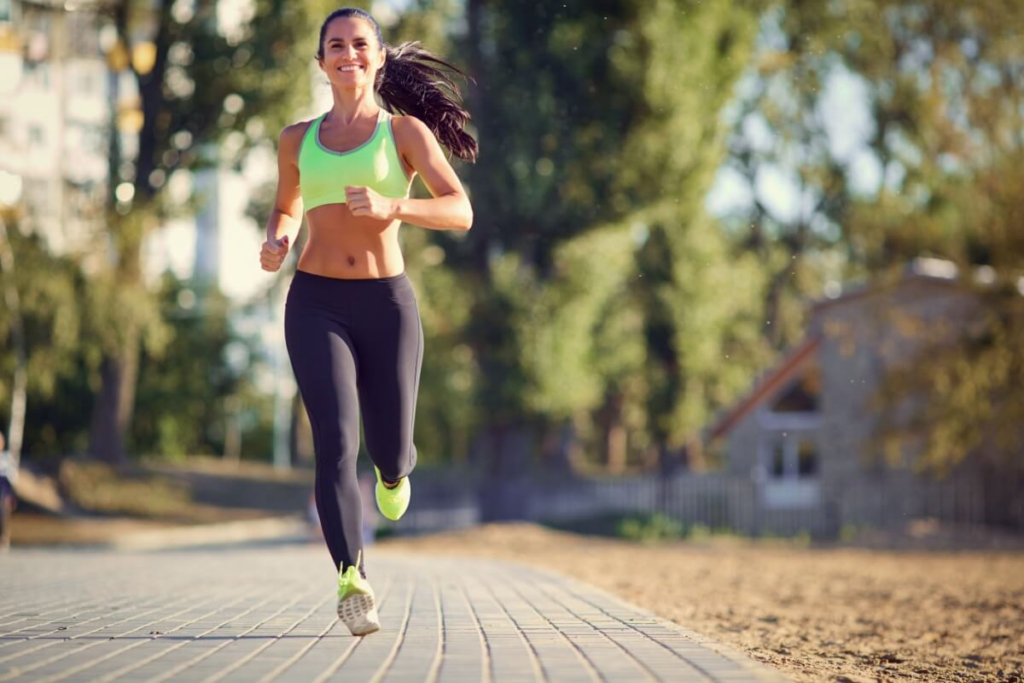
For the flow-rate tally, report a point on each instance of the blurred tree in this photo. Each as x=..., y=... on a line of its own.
x=599, y=129
x=947, y=92
x=934, y=170
x=211, y=79
x=51, y=322
x=550, y=108
x=784, y=155
x=183, y=399
x=702, y=301
x=586, y=351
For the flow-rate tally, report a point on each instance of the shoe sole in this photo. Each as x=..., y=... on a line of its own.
x=359, y=613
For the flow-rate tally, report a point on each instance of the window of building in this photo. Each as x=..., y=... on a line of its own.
x=790, y=455
x=806, y=458
x=37, y=74
x=86, y=83
x=802, y=395
x=778, y=462
x=36, y=193
x=790, y=470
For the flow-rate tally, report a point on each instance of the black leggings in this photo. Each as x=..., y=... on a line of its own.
x=354, y=344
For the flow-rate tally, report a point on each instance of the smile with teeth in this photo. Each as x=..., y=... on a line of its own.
x=353, y=67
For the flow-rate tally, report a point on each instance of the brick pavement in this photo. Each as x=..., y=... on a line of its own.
x=265, y=613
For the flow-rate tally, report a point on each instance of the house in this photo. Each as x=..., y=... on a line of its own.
x=803, y=432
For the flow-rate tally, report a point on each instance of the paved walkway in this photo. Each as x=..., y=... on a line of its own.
x=267, y=613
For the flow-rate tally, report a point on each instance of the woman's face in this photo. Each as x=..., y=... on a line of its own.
x=351, y=53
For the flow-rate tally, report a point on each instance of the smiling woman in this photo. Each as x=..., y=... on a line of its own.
x=352, y=324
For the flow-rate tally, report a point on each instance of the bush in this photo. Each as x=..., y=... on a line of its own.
x=651, y=528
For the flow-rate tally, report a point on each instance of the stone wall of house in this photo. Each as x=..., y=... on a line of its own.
x=743, y=444
x=860, y=339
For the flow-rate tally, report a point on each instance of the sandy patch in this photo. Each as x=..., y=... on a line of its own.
x=815, y=614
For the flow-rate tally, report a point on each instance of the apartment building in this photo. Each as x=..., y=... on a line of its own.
x=55, y=114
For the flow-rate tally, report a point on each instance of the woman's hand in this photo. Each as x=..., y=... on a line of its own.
x=272, y=254
x=362, y=201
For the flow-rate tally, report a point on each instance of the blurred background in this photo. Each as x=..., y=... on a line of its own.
x=736, y=267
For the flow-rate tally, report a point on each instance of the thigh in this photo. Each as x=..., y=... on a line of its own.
x=390, y=348
x=324, y=361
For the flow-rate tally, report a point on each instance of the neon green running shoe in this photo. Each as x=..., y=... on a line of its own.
x=393, y=502
x=356, y=603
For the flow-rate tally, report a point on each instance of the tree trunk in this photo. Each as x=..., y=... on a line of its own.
x=615, y=435
x=19, y=392
x=112, y=413
x=480, y=240
x=505, y=489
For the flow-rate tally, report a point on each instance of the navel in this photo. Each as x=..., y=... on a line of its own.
x=351, y=260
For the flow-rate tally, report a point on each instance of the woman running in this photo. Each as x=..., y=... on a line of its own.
x=352, y=325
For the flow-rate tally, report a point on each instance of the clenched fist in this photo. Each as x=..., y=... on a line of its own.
x=362, y=201
x=272, y=254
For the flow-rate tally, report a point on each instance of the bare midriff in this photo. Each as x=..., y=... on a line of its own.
x=344, y=246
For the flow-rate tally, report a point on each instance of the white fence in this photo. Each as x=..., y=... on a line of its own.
x=716, y=501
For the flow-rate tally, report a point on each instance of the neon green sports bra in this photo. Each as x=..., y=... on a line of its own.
x=324, y=173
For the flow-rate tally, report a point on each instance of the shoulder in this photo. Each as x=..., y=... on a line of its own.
x=410, y=130
x=291, y=136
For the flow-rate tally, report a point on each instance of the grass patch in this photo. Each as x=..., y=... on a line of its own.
x=639, y=527
x=99, y=488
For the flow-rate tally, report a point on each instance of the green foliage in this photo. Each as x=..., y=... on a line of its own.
x=642, y=527
x=445, y=410
x=692, y=53
x=551, y=107
x=700, y=300
x=944, y=90
x=182, y=385
x=599, y=128
x=47, y=286
x=954, y=137
x=53, y=318
x=213, y=91
x=561, y=352
x=499, y=330
x=189, y=391
x=651, y=528
x=973, y=393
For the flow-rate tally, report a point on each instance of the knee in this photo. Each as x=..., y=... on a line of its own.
x=336, y=445
x=396, y=464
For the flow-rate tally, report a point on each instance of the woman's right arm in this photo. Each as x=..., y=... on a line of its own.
x=286, y=216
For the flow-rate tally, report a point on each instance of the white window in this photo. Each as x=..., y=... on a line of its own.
x=35, y=135
x=788, y=467
x=790, y=455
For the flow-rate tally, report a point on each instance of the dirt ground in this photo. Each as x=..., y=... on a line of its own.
x=816, y=614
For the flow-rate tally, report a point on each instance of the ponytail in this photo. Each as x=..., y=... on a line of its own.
x=414, y=81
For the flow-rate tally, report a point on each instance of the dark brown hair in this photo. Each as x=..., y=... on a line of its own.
x=414, y=81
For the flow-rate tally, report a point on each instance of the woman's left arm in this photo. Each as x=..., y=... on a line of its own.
x=449, y=209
